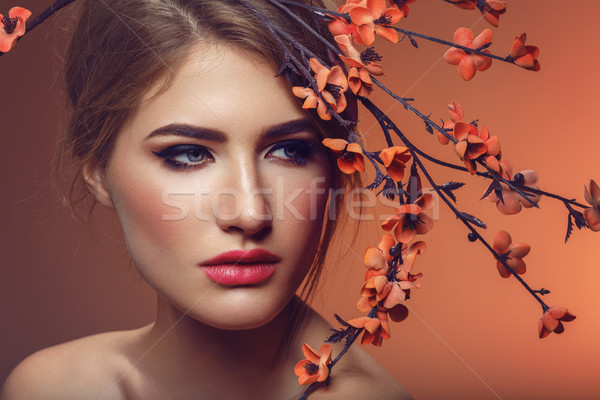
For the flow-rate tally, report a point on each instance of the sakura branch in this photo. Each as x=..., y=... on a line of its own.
x=471, y=146
x=466, y=219
x=384, y=289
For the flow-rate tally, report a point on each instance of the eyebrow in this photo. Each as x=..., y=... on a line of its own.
x=289, y=127
x=190, y=131
x=196, y=132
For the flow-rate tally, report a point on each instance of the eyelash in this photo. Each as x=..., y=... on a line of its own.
x=168, y=155
x=304, y=151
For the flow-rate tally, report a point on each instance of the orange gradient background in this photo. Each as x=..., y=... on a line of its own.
x=471, y=334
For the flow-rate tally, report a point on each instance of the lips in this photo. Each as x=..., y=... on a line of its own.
x=243, y=256
x=241, y=267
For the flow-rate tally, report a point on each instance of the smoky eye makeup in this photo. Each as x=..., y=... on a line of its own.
x=290, y=150
x=184, y=156
x=294, y=151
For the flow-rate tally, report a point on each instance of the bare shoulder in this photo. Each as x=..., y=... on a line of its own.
x=358, y=376
x=85, y=368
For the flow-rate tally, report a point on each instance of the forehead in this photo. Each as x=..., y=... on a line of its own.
x=221, y=88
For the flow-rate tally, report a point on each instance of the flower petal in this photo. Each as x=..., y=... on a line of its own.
x=592, y=217
x=413, y=209
x=299, y=368
x=511, y=204
x=323, y=372
x=456, y=111
x=453, y=55
x=460, y=148
x=387, y=155
x=361, y=16
x=374, y=258
x=323, y=111
x=307, y=379
x=549, y=322
x=518, y=47
x=404, y=234
x=7, y=42
x=517, y=265
x=502, y=241
x=335, y=144
x=351, y=63
x=19, y=12
x=393, y=14
x=502, y=270
x=310, y=353
x=483, y=38
x=337, y=77
x=519, y=250
x=425, y=224
x=396, y=171
x=344, y=42
x=315, y=65
x=493, y=146
x=594, y=190
x=325, y=351
x=530, y=176
x=461, y=130
x=542, y=331
x=311, y=102
x=388, y=34
x=376, y=7
x=358, y=322
x=363, y=304
x=425, y=201
x=389, y=223
x=464, y=37
x=322, y=78
x=367, y=33
x=466, y=68
x=385, y=244
x=557, y=312
x=346, y=165
x=372, y=325
x=394, y=297
x=492, y=163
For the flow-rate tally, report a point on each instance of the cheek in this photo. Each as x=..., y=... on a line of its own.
x=298, y=215
x=152, y=211
x=301, y=196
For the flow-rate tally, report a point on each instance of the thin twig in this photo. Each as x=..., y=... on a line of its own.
x=429, y=122
x=452, y=44
x=380, y=116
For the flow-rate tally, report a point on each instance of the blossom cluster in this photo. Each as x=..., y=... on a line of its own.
x=390, y=278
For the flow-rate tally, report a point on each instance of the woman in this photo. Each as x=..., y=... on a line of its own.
x=221, y=188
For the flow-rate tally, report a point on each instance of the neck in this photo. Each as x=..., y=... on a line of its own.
x=197, y=358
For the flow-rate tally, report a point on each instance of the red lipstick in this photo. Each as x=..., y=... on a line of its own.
x=241, y=267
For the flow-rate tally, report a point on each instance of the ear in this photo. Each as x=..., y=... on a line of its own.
x=95, y=179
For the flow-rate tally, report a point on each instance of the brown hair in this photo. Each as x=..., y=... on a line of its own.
x=119, y=49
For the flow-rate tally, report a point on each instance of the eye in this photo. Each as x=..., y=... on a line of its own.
x=295, y=151
x=184, y=156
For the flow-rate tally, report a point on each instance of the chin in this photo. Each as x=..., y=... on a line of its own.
x=240, y=309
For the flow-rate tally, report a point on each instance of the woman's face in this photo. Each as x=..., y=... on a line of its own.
x=223, y=161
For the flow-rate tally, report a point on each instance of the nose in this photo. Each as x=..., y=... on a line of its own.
x=243, y=202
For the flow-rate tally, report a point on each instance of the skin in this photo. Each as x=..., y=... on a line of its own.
x=208, y=340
